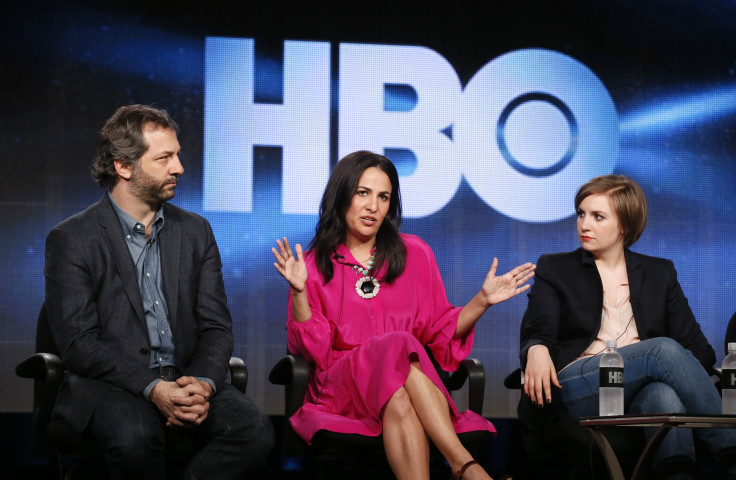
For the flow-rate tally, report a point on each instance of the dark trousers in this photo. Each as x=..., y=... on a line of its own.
x=235, y=436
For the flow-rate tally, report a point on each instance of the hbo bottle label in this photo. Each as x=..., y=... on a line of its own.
x=728, y=379
x=613, y=376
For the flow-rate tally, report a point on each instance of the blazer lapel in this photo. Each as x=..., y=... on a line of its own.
x=594, y=299
x=635, y=273
x=113, y=235
x=170, y=247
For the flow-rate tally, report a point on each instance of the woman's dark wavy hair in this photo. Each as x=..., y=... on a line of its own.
x=332, y=228
x=121, y=138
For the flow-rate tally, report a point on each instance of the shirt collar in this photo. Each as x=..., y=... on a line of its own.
x=132, y=226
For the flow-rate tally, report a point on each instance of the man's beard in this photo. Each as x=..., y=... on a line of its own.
x=148, y=189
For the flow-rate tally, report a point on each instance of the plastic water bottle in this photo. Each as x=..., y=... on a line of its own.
x=611, y=398
x=728, y=381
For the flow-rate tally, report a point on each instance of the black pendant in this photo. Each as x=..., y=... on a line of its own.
x=367, y=287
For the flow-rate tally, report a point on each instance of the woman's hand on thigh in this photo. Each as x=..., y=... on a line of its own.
x=539, y=375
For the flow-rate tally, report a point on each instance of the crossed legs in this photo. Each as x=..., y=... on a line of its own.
x=418, y=411
x=659, y=376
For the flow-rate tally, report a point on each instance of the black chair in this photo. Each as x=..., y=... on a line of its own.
x=358, y=455
x=52, y=437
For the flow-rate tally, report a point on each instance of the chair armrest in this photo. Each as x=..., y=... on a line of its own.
x=513, y=380
x=47, y=372
x=472, y=370
x=238, y=373
x=41, y=366
x=292, y=371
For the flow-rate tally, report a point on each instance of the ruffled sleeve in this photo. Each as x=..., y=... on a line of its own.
x=436, y=316
x=311, y=339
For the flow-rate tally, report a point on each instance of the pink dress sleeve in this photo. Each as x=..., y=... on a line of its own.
x=436, y=320
x=311, y=339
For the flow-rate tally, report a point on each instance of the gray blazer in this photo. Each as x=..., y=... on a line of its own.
x=95, y=311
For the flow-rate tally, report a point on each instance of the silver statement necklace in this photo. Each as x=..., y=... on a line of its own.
x=367, y=286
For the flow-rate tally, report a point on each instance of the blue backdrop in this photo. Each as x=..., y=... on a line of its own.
x=494, y=119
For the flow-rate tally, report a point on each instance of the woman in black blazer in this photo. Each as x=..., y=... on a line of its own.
x=603, y=291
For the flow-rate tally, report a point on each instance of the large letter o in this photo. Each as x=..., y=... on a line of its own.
x=532, y=127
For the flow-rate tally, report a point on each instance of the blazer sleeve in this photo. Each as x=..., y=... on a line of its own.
x=214, y=322
x=541, y=321
x=681, y=323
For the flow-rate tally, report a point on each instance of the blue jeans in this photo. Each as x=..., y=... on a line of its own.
x=235, y=436
x=660, y=376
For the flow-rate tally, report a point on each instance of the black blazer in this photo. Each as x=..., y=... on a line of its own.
x=95, y=310
x=566, y=301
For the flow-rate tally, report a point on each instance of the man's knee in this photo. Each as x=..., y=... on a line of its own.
x=263, y=437
x=128, y=429
x=134, y=446
x=237, y=417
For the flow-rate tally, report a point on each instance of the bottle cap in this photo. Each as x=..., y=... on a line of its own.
x=731, y=346
x=612, y=344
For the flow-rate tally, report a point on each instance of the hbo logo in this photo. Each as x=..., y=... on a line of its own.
x=525, y=132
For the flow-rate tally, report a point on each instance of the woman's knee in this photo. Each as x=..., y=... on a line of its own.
x=399, y=406
x=667, y=355
x=657, y=397
x=667, y=348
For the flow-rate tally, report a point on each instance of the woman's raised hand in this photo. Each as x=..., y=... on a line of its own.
x=291, y=267
x=498, y=289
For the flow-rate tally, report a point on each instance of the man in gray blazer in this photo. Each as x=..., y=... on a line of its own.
x=137, y=307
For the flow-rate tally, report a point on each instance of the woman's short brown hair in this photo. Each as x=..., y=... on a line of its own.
x=627, y=201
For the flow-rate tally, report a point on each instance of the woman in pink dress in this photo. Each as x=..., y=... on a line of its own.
x=364, y=302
